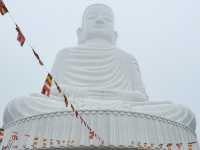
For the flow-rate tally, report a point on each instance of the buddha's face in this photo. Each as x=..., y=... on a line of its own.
x=98, y=18
x=98, y=23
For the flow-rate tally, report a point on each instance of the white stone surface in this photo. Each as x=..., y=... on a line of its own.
x=116, y=128
x=97, y=75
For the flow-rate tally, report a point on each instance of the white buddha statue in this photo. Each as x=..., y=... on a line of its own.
x=97, y=75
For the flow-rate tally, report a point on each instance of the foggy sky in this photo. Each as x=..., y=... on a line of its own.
x=164, y=36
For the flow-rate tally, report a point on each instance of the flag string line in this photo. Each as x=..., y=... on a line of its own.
x=22, y=40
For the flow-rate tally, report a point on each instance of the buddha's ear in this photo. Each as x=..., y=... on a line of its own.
x=114, y=37
x=79, y=33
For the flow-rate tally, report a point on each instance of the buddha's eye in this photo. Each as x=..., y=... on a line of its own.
x=108, y=19
x=91, y=17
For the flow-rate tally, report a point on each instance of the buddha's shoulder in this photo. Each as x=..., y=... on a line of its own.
x=125, y=55
x=67, y=50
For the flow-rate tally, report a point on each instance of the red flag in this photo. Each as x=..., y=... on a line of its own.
x=91, y=135
x=3, y=9
x=58, y=87
x=20, y=37
x=38, y=57
x=46, y=89
x=66, y=100
x=1, y=134
x=14, y=136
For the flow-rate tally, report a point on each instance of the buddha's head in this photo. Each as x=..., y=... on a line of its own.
x=97, y=23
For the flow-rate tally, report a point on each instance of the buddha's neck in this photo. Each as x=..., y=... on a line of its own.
x=97, y=44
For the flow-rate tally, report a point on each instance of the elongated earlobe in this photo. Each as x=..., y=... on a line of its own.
x=79, y=35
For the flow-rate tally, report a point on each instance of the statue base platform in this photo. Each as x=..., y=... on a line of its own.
x=116, y=128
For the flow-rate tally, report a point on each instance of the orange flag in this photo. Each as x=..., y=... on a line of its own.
x=38, y=57
x=20, y=37
x=46, y=89
x=189, y=146
x=3, y=9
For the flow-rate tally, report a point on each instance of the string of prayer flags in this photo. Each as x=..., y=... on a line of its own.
x=38, y=57
x=46, y=89
x=44, y=142
x=3, y=8
x=20, y=37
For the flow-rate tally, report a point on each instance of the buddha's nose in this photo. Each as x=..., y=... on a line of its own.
x=100, y=22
